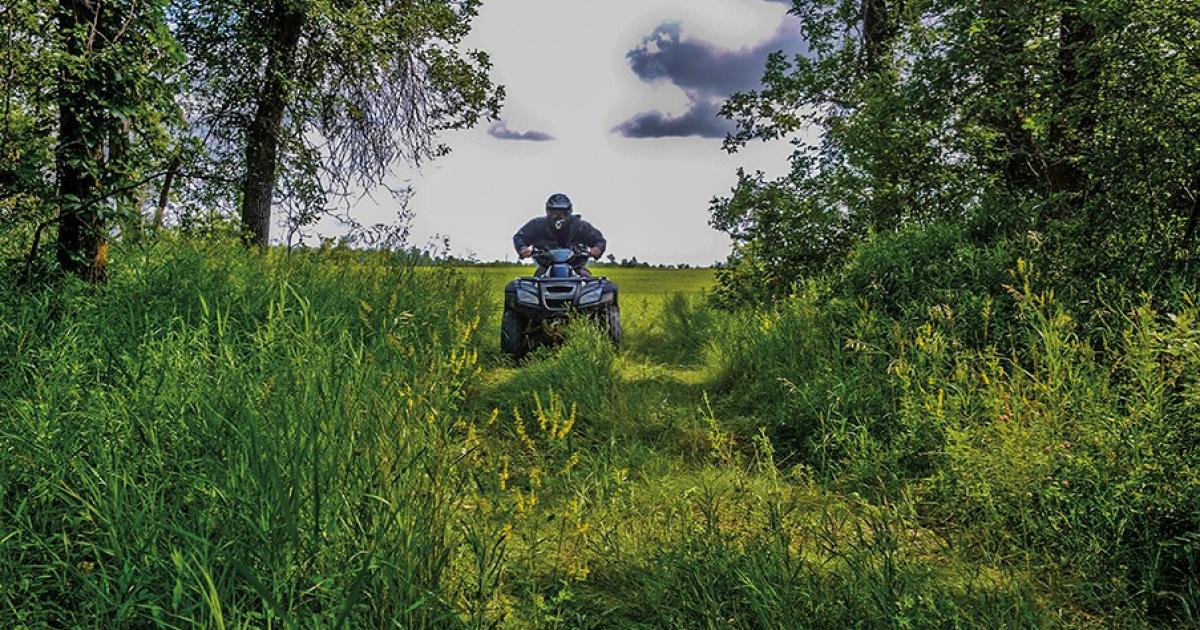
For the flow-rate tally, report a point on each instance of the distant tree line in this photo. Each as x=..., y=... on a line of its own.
x=611, y=261
x=634, y=262
x=115, y=111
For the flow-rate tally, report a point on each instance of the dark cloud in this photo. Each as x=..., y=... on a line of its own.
x=499, y=129
x=707, y=73
x=700, y=120
x=704, y=70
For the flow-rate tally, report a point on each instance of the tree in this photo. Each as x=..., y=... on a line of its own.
x=302, y=102
x=87, y=110
x=285, y=22
x=1073, y=120
x=28, y=63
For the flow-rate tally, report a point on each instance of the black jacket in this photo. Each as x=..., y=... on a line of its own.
x=540, y=232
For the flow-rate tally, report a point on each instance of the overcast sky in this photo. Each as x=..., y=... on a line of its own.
x=613, y=103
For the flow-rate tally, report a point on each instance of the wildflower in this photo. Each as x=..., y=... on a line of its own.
x=535, y=477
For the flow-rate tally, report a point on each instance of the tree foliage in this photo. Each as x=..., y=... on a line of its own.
x=1075, y=121
x=26, y=139
x=88, y=110
x=330, y=93
x=113, y=109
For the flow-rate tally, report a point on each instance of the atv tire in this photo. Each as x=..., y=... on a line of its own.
x=512, y=335
x=612, y=324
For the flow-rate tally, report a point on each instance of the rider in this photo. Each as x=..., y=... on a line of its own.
x=559, y=228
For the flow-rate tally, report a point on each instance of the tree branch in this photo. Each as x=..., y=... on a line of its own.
x=1189, y=233
x=33, y=250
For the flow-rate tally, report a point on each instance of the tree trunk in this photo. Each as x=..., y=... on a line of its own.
x=164, y=194
x=262, y=139
x=82, y=249
x=1005, y=77
x=1189, y=232
x=1074, y=119
x=877, y=33
x=879, y=28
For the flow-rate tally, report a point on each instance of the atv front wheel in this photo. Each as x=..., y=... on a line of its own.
x=612, y=324
x=512, y=335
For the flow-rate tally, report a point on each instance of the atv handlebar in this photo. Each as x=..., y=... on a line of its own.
x=577, y=249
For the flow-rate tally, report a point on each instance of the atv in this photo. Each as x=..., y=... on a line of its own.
x=537, y=308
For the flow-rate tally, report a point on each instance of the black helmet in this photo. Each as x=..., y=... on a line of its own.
x=558, y=201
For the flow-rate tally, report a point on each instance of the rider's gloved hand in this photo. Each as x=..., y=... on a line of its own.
x=525, y=252
x=595, y=252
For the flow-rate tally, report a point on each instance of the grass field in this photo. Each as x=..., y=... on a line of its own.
x=659, y=509
x=639, y=287
x=332, y=439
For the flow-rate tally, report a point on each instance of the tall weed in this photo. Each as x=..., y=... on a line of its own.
x=217, y=439
x=1084, y=461
x=1066, y=447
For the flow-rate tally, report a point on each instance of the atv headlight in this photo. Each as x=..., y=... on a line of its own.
x=526, y=297
x=590, y=297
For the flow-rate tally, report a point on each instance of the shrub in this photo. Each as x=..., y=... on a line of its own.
x=1069, y=443
x=918, y=268
x=1088, y=462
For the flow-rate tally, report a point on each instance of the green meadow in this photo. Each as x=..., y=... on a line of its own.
x=220, y=439
x=948, y=375
x=636, y=282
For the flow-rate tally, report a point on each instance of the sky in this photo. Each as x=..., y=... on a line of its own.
x=612, y=103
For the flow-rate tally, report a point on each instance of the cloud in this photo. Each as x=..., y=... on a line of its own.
x=499, y=129
x=700, y=120
x=703, y=69
x=707, y=73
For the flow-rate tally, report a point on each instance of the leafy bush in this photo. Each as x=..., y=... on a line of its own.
x=936, y=266
x=1086, y=461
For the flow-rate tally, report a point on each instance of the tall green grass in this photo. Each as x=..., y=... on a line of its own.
x=1066, y=448
x=218, y=440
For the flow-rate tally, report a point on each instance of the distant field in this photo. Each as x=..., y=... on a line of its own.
x=643, y=294
x=634, y=282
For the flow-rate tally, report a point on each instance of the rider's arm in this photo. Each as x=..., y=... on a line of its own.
x=525, y=236
x=592, y=237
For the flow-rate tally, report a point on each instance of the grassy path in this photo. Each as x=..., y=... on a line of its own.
x=641, y=438
x=287, y=442
x=657, y=388
x=653, y=511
